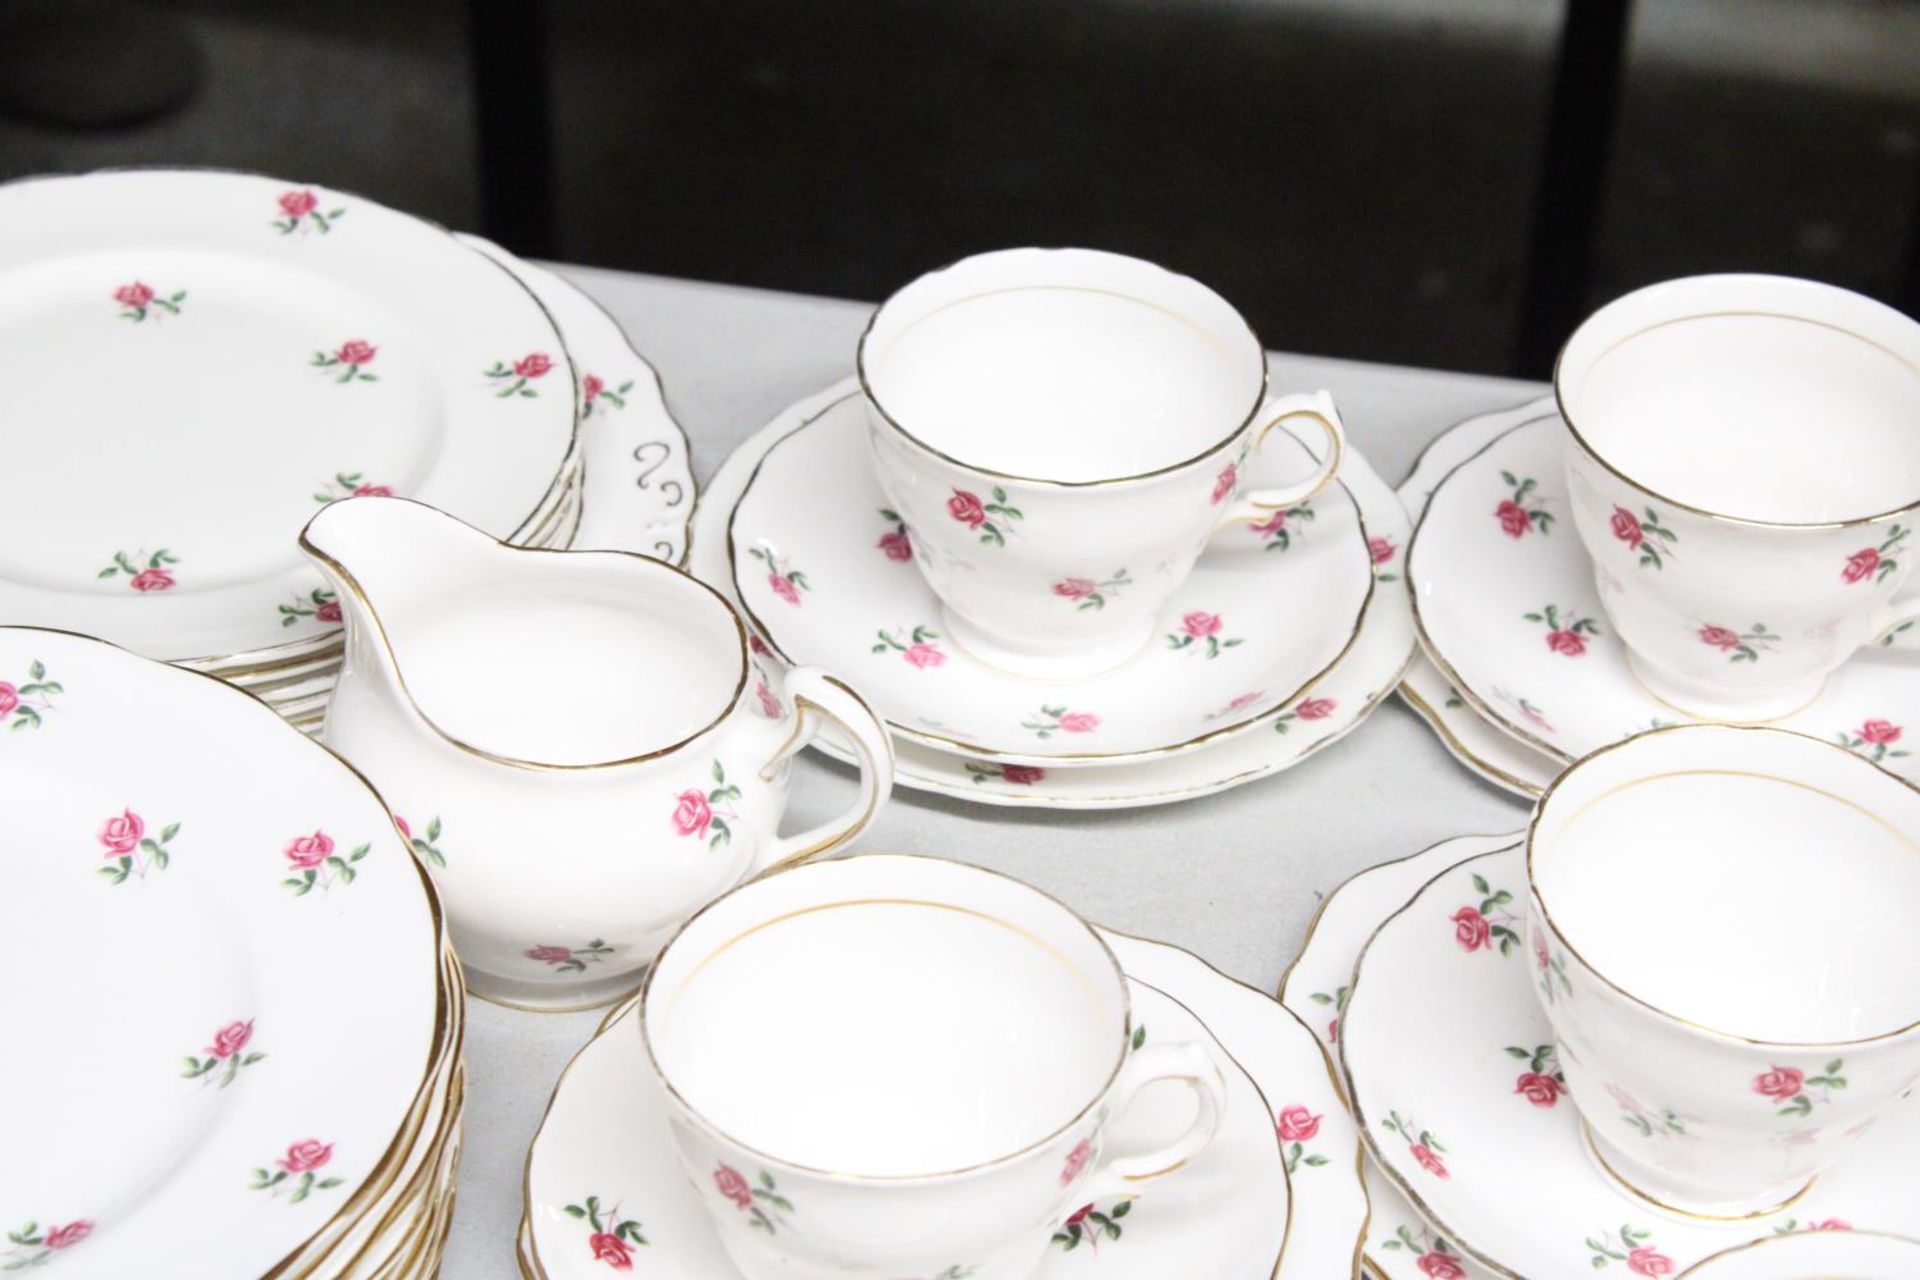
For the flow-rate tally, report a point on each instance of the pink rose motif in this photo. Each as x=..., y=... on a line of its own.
x=733, y=1186
x=1513, y=518
x=610, y=1249
x=405, y=830
x=1830, y=1224
x=1079, y=722
x=135, y=295
x=591, y=388
x=1881, y=733
x=1429, y=1161
x=9, y=699
x=924, y=655
x=373, y=491
x=1223, y=484
x=1200, y=625
x=1244, y=700
x=1539, y=949
x=231, y=1039
x=769, y=705
x=1075, y=588
x=329, y=611
x=691, y=816
x=1570, y=643
x=1718, y=637
x=536, y=365
x=1860, y=564
x=298, y=204
x=306, y=1155
x=121, y=835
x=1470, y=929
x=308, y=852
x=783, y=587
x=1076, y=1161
x=967, y=509
x=1381, y=549
x=1271, y=525
x=1626, y=1100
x=1646, y=1261
x=1438, y=1266
x=357, y=351
x=1297, y=1124
x=758, y=645
x=1078, y=1216
x=1540, y=1090
x=549, y=955
x=1333, y=1031
x=1315, y=708
x=152, y=580
x=1626, y=527
x=1780, y=1083
x=68, y=1236
x=1022, y=775
x=896, y=545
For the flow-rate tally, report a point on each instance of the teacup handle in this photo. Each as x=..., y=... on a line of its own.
x=1194, y=1066
x=818, y=700
x=1316, y=407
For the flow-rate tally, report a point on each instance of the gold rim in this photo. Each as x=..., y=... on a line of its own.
x=1698, y=1271
x=1463, y=753
x=1719, y=1219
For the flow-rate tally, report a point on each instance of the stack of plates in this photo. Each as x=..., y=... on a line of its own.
x=240, y=1016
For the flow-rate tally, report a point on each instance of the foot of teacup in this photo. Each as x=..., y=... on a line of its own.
x=1703, y=702
x=1079, y=662
x=552, y=997
x=1661, y=1196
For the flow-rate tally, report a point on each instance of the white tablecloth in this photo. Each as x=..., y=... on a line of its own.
x=1234, y=877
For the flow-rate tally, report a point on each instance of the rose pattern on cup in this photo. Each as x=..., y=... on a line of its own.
x=1052, y=720
x=767, y=700
x=1200, y=632
x=916, y=646
x=1555, y=985
x=785, y=581
x=992, y=520
x=23, y=705
x=1297, y=1126
x=896, y=543
x=1629, y=1245
x=1092, y=593
x=1488, y=926
x=1090, y=1224
x=765, y=1207
x=32, y=1247
x=130, y=851
x=706, y=814
x=613, y=1238
x=350, y=484
x=138, y=301
x=1019, y=775
x=1337, y=1001
x=1645, y=534
x=227, y=1055
x=427, y=844
x=1279, y=528
x=316, y=865
x=1542, y=1083
x=318, y=604
x=1381, y=551
x=143, y=572
x=1566, y=633
x=1795, y=1092
x=1436, y=1258
x=1875, y=740
x=1877, y=563
x=595, y=392
x=300, y=211
x=1646, y=1121
x=1425, y=1149
x=1307, y=709
x=570, y=959
x=1524, y=509
x=1225, y=483
x=296, y=1175
x=516, y=378
x=347, y=362
x=1739, y=646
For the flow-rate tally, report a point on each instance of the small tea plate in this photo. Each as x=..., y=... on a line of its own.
x=1505, y=600
x=826, y=572
x=1451, y=1071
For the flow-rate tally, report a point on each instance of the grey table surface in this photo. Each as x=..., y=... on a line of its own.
x=1234, y=877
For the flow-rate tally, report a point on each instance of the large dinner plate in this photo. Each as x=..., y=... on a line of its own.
x=192, y=363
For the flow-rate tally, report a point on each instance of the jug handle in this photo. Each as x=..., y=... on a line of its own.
x=818, y=700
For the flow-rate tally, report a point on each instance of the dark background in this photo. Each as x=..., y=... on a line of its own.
x=1436, y=182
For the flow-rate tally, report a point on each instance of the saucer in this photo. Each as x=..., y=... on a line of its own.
x=602, y=1157
x=826, y=573
x=1337, y=705
x=1450, y=1069
x=1506, y=604
x=1857, y=1255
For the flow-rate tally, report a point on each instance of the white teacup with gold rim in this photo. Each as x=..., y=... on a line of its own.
x=888, y=1066
x=1066, y=423
x=1722, y=921
x=1745, y=473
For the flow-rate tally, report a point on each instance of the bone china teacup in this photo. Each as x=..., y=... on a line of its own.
x=578, y=745
x=1722, y=930
x=1744, y=469
x=1060, y=431
x=884, y=1066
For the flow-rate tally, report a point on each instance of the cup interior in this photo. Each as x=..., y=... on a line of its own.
x=1064, y=365
x=1751, y=882
x=886, y=1017
x=1762, y=398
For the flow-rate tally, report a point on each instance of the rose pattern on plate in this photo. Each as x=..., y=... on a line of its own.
x=1089, y=593
x=427, y=844
x=139, y=301
x=315, y=865
x=1239, y=702
x=1019, y=775
x=296, y=1175
x=348, y=362
x=143, y=572
x=896, y=543
x=1566, y=633
x=1432, y=1254
x=1200, y=632
x=1645, y=534
x=707, y=814
x=765, y=1207
x=1052, y=720
x=1876, y=563
x=613, y=1237
x=1629, y=1245
x=318, y=604
x=350, y=484
x=1489, y=925
x=570, y=959
x=993, y=521
x=785, y=581
x=594, y=392
x=1298, y=1126
x=32, y=1247
x=517, y=378
x=1090, y=1224
x=917, y=646
x=1527, y=710
x=1795, y=1092
x=226, y=1055
x=1792, y=1225
x=1276, y=530
x=1425, y=1149
x=1542, y=1083
x=1875, y=740
x=1382, y=551
x=1337, y=1001
x=23, y=705
x=300, y=211
x=1307, y=709
x=1555, y=985
x=130, y=851
x=1739, y=646
x=1644, y=1120
x=1523, y=510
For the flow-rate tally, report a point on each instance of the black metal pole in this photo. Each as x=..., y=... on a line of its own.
x=513, y=114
